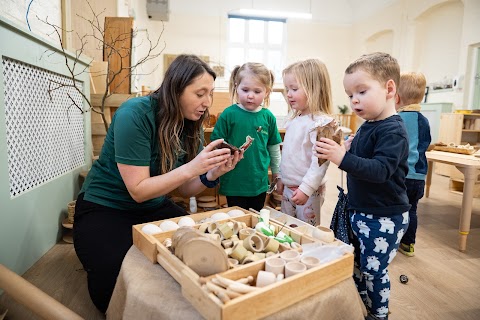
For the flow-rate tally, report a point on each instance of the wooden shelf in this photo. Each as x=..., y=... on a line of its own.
x=456, y=186
x=68, y=236
x=453, y=130
x=471, y=114
x=68, y=232
x=67, y=224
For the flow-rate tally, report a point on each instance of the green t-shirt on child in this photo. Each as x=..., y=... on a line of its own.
x=250, y=176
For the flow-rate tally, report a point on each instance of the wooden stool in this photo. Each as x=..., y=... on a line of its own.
x=207, y=203
x=207, y=199
x=275, y=200
x=206, y=206
x=68, y=232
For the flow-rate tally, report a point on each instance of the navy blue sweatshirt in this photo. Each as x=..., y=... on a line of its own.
x=376, y=167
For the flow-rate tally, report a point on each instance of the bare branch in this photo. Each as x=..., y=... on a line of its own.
x=113, y=48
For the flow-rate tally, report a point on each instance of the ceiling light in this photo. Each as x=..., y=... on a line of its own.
x=274, y=14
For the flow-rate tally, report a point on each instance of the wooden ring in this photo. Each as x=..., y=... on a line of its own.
x=253, y=243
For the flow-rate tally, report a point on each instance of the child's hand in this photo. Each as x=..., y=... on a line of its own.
x=299, y=198
x=280, y=186
x=330, y=150
x=348, y=142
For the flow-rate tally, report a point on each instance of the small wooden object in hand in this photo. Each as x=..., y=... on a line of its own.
x=331, y=131
x=243, y=147
x=226, y=145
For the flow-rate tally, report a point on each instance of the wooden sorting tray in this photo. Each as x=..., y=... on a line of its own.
x=302, y=227
x=455, y=150
x=254, y=305
x=148, y=243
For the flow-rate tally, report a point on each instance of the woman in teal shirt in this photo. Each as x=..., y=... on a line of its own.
x=153, y=146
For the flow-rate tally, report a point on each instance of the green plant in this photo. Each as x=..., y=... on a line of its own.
x=343, y=109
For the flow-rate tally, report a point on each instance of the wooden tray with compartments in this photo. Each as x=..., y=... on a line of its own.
x=258, y=304
x=455, y=150
x=293, y=223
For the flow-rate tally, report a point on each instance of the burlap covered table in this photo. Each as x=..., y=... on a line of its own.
x=146, y=291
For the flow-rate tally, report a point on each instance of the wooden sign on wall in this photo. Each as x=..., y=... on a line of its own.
x=117, y=52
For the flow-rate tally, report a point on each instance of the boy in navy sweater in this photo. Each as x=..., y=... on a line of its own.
x=376, y=164
x=409, y=95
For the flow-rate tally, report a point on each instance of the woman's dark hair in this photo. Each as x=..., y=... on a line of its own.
x=172, y=127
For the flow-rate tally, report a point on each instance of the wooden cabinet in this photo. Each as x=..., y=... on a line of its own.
x=433, y=112
x=458, y=128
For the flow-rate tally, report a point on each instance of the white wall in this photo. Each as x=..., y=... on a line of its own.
x=435, y=37
x=331, y=44
x=15, y=11
x=470, y=41
x=439, y=33
x=380, y=42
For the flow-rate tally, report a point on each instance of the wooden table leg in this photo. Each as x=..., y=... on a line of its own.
x=428, y=181
x=467, y=201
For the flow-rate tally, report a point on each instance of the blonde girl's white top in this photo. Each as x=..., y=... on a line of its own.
x=299, y=167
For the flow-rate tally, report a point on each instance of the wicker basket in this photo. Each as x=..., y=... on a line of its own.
x=71, y=210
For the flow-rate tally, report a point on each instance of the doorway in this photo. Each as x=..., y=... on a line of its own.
x=475, y=101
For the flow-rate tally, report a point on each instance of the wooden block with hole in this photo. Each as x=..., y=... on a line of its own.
x=206, y=199
x=207, y=205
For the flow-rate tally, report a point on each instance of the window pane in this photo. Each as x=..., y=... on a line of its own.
x=236, y=56
x=275, y=32
x=274, y=63
x=255, y=31
x=237, y=30
x=255, y=55
x=255, y=41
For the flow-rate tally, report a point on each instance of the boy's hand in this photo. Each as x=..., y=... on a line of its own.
x=348, y=142
x=299, y=198
x=330, y=150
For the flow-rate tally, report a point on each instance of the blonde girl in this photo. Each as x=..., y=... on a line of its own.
x=302, y=180
x=250, y=88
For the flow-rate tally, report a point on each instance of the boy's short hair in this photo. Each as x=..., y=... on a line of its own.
x=381, y=66
x=411, y=88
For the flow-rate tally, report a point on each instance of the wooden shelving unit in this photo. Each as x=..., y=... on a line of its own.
x=459, y=128
x=68, y=231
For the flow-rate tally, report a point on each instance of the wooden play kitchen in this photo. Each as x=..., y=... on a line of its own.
x=204, y=290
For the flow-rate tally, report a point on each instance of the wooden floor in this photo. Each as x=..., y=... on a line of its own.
x=444, y=283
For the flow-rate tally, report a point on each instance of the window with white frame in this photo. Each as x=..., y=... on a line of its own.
x=253, y=39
